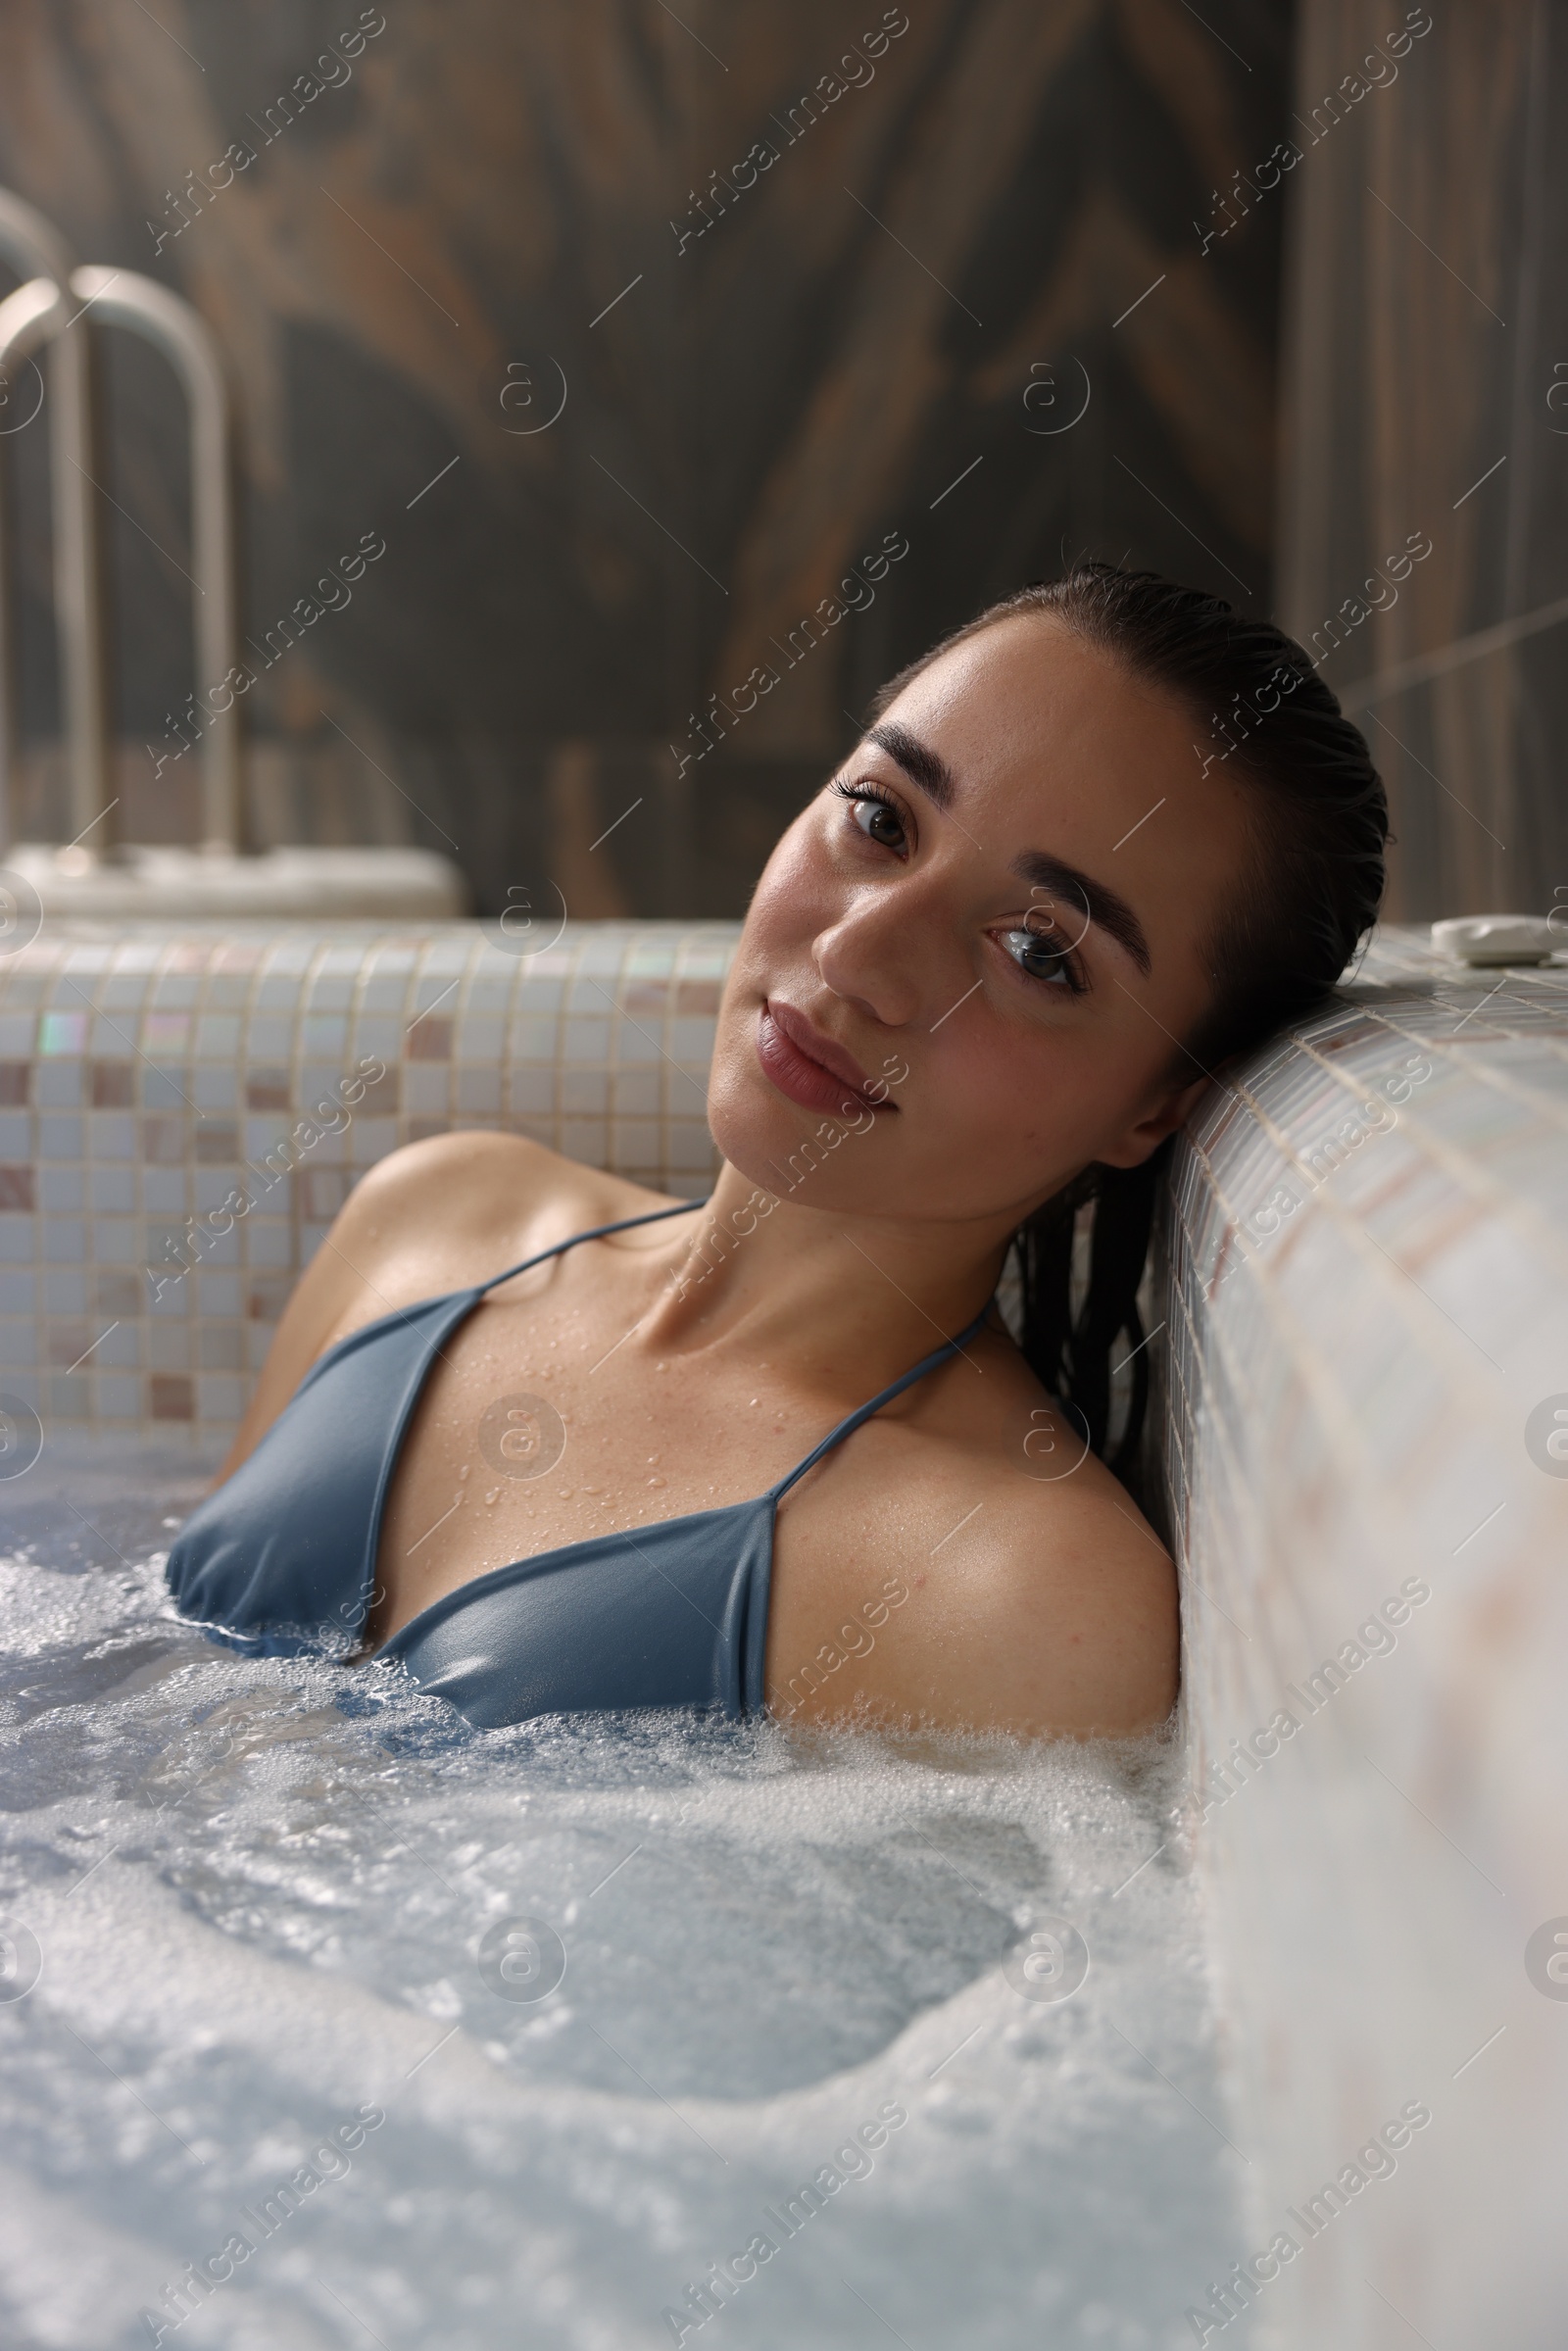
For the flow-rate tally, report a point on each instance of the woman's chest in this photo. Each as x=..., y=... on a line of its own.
x=543, y=1427
x=536, y=1428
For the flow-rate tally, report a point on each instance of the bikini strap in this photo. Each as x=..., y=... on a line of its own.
x=597, y=1233
x=885, y=1396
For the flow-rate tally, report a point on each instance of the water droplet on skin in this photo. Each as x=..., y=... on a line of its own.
x=595, y=1491
x=463, y=1471
x=493, y=1494
x=757, y=1399
x=564, y=1492
x=656, y=1481
x=652, y=1463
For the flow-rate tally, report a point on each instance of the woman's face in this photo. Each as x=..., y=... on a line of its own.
x=978, y=947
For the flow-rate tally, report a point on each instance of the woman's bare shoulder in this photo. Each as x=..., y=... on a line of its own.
x=457, y=1207
x=484, y=1189
x=434, y=1216
x=1042, y=1600
x=1080, y=1621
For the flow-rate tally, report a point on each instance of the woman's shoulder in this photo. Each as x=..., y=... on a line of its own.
x=435, y=1216
x=453, y=1209
x=1046, y=1603
x=1083, y=1601
x=477, y=1168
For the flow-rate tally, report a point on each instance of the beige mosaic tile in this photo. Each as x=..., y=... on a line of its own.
x=1368, y=1308
x=149, y=1082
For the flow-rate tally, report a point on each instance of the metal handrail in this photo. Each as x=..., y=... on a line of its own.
x=123, y=298
x=59, y=307
x=29, y=242
x=39, y=312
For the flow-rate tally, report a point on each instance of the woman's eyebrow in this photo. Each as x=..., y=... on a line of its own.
x=1104, y=906
x=921, y=764
x=1083, y=895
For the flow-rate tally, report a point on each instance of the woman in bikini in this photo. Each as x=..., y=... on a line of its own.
x=780, y=1451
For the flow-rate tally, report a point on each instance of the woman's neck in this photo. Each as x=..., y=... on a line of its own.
x=819, y=1287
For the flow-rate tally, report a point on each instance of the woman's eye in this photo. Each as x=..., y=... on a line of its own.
x=874, y=816
x=1044, y=957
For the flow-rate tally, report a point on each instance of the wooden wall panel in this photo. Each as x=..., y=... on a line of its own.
x=1000, y=201
x=1427, y=326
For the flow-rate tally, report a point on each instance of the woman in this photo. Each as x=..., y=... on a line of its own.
x=779, y=1449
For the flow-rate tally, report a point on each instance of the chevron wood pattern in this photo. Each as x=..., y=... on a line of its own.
x=810, y=281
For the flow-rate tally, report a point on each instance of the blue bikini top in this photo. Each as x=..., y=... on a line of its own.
x=281, y=1559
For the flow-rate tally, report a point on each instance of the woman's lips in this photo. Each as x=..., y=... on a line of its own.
x=808, y=1066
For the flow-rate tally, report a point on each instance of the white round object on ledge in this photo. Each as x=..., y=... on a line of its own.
x=1498, y=938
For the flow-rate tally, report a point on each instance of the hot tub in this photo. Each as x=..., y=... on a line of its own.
x=329, y=2020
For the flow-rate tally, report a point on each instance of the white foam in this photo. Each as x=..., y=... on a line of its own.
x=258, y=1886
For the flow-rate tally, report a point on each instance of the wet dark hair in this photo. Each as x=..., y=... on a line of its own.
x=1313, y=885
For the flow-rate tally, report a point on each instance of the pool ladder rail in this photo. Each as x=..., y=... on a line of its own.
x=57, y=309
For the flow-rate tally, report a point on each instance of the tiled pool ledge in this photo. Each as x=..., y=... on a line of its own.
x=1366, y=1327
x=152, y=1080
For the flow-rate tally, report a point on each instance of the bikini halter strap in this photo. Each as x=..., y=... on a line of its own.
x=596, y=1233
x=884, y=1396
x=845, y=1427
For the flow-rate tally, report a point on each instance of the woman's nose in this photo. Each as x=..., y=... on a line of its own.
x=883, y=955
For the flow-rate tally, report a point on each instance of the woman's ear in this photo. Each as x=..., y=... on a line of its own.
x=1173, y=1108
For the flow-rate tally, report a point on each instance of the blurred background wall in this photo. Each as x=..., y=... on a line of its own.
x=813, y=281
x=1425, y=384
x=644, y=337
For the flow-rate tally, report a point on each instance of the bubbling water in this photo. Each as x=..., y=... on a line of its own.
x=352, y=2024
